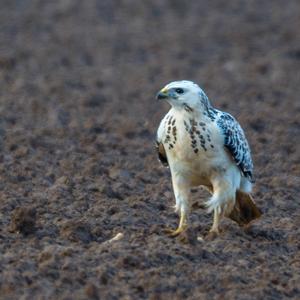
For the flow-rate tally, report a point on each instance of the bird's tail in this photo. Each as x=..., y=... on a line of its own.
x=244, y=210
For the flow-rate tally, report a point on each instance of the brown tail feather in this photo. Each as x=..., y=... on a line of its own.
x=244, y=210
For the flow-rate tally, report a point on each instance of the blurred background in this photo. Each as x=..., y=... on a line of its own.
x=78, y=119
x=66, y=62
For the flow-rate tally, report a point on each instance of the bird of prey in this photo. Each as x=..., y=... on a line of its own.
x=204, y=146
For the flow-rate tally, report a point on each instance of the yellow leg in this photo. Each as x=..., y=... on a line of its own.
x=181, y=227
x=215, y=226
x=214, y=231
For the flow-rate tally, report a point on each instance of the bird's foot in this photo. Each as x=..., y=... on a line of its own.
x=181, y=227
x=212, y=234
x=173, y=233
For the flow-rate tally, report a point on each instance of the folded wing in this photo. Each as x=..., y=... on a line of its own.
x=236, y=143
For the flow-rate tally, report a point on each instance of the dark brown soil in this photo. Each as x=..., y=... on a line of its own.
x=77, y=164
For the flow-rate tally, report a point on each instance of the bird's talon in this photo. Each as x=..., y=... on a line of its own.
x=212, y=234
x=173, y=233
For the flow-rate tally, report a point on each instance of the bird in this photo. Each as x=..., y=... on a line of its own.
x=204, y=146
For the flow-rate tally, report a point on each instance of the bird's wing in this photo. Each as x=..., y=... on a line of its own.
x=162, y=156
x=236, y=143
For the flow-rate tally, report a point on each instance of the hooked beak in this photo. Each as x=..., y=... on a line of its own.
x=162, y=94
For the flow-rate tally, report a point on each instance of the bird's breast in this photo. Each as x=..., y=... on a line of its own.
x=193, y=147
x=187, y=139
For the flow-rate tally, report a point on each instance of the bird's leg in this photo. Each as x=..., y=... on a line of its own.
x=214, y=231
x=181, y=191
x=215, y=227
x=181, y=227
x=222, y=199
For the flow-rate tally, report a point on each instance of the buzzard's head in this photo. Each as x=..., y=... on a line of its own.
x=184, y=94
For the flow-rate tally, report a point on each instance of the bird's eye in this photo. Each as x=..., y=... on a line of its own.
x=179, y=91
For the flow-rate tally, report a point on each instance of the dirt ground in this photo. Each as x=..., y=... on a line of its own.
x=77, y=163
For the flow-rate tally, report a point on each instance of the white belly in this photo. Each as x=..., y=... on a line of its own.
x=198, y=170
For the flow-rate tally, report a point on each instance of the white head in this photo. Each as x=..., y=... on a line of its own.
x=185, y=95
